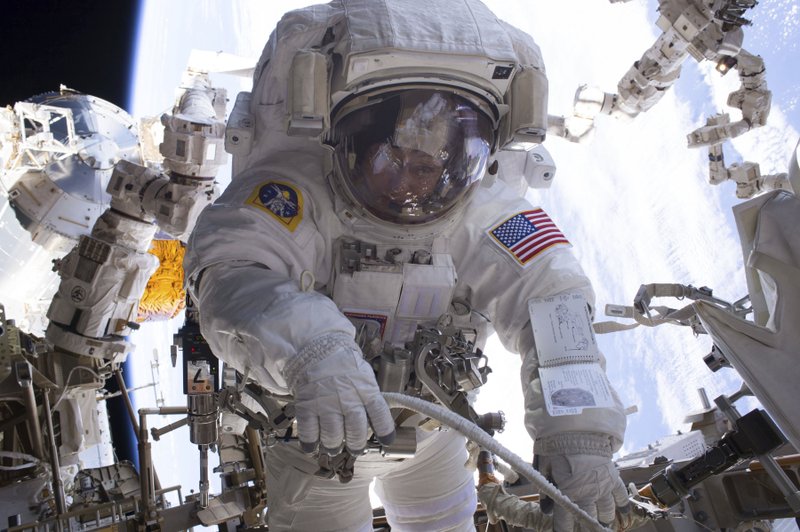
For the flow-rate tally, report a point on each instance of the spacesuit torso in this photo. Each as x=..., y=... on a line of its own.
x=357, y=215
x=387, y=287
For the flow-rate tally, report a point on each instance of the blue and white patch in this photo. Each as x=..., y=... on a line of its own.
x=280, y=200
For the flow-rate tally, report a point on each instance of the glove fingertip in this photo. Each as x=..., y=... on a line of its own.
x=546, y=504
x=387, y=439
x=356, y=452
x=308, y=447
x=333, y=451
x=308, y=431
x=621, y=495
x=562, y=520
x=605, y=509
x=380, y=417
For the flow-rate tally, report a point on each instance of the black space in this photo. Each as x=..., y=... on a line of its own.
x=87, y=45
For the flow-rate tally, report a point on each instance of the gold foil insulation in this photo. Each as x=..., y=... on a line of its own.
x=164, y=296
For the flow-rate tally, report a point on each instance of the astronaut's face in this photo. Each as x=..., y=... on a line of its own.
x=410, y=157
x=399, y=178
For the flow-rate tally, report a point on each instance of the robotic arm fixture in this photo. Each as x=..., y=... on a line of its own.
x=57, y=153
x=706, y=32
x=747, y=175
x=104, y=277
x=762, y=350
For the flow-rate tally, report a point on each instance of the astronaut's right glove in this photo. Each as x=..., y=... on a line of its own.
x=336, y=396
x=580, y=466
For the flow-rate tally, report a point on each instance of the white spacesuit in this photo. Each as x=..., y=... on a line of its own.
x=362, y=207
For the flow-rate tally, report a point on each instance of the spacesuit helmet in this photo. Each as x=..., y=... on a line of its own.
x=411, y=155
x=343, y=76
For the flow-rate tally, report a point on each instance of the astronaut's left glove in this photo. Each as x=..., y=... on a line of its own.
x=579, y=464
x=336, y=396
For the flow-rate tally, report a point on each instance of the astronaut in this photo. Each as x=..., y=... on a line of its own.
x=364, y=203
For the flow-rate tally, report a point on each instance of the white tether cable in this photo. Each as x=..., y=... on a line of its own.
x=30, y=461
x=476, y=434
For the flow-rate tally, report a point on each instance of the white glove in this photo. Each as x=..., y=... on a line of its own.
x=590, y=480
x=336, y=397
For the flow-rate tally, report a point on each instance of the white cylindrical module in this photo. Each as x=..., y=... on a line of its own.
x=67, y=145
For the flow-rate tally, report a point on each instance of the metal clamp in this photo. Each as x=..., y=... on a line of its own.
x=341, y=465
x=277, y=417
x=771, y=466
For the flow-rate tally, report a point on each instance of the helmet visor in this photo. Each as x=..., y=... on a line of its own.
x=411, y=156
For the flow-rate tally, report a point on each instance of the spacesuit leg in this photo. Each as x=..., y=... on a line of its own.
x=433, y=490
x=298, y=500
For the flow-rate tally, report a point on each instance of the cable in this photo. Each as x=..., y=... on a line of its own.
x=66, y=382
x=32, y=461
x=476, y=434
x=307, y=281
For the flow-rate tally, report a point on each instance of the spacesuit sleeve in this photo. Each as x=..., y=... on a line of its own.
x=602, y=429
x=563, y=276
x=501, y=282
x=251, y=264
x=258, y=320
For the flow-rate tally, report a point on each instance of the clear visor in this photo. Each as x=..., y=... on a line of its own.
x=410, y=157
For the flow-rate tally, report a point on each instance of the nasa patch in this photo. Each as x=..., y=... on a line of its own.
x=280, y=200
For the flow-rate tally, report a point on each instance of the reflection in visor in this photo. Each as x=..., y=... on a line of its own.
x=411, y=157
x=397, y=178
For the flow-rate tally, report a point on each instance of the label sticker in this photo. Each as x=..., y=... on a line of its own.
x=198, y=377
x=571, y=388
x=369, y=324
x=562, y=330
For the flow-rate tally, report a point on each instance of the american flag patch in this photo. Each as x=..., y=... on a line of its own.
x=527, y=234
